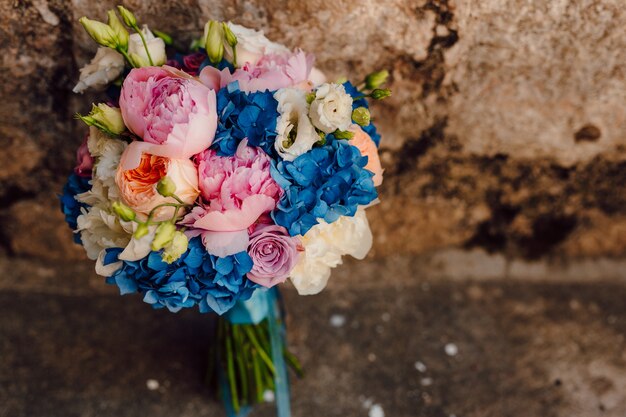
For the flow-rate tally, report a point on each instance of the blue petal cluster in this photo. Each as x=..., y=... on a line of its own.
x=70, y=207
x=196, y=278
x=362, y=102
x=327, y=182
x=245, y=115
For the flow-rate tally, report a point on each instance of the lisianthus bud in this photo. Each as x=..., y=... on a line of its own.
x=166, y=38
x=361, y=116
x=120, y=31
x=100, y=32
x=123, y=211
x=141, y=231
x=376, y=79
x=231, y=39
x=343, y=134
x=214, y=41
x=106, y=118
x=175, y=248
x=166, y=187
x=128, y=16
x=139, y=61
x=379, y=94
x=164, y=235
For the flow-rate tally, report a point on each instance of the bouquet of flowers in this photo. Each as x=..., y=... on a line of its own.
x=213, y=173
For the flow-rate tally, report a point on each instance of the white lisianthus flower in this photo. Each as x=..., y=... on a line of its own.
x=135, y=250
x=104, y=68
x=296, y=134
x=252, y=45
x=107, y=151
x=99, y=229
x=156, y=46
x=331, y=109
x=324, y=245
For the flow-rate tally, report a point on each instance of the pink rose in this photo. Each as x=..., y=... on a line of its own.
x=271, y=72
x=171, y=111
x=84, y=160
x=138, y=186
x=236, y=191
x=274, y=254
x=364, y=143
x=192, y=62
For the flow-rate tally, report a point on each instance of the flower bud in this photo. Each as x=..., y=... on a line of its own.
x=100, y=32
x=166, y=187
x=310, y=97
x=230, y=37
x=376, y=79
x=166, y=38
x=106, y=118
x=127, y=16
x=343, y=134
x=123, y=211
x=361, y=116
x=120, y=31
x=164, y=235
x=175, y=248
x=141, y=231
x=379, y=94
x=215, y=42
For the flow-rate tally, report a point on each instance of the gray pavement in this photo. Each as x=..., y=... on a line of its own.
x=412, y=347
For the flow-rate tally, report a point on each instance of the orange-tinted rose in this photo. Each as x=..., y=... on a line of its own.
x=138, y=186
x=367, y=147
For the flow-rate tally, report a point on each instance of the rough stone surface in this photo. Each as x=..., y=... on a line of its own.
x=506, y=130
x=490, y=348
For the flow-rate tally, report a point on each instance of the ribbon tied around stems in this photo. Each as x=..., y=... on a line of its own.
x=264, y=304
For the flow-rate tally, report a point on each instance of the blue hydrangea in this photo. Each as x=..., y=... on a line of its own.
x=245, y=115
x=362, y=102
x=70, y=207
x=196, y=278
x=327, y=182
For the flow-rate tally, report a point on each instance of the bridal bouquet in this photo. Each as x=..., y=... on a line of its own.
x=213, y=173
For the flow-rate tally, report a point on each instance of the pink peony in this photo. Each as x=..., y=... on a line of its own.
x=236, y=191
x=271, y=72
x=274, y=254
x=171, y=111
x=84, y=160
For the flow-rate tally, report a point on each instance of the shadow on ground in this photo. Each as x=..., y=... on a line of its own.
x=437, y=348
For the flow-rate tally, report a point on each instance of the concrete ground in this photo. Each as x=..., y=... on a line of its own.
x=382, y=340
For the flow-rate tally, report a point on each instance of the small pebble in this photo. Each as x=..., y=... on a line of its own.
x=152, y=384
x=376, y=411
x=451, y=349
x=337, y=320
x=268, y=396
x=426, y=382
x=386, y=316
x=371, y=357
x=420, y=366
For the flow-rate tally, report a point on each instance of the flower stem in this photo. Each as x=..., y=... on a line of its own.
x=231, y=369
x=125, y=55
x=262, y=352
x=145, y=44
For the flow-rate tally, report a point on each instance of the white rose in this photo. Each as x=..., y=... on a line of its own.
x=324, y=245
x=296, y=134
x=104, y=68
x=156, y=46
x=252, y=45
x=332, y=108
x=100, y=230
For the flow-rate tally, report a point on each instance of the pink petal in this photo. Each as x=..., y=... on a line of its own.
x=237, y=219
x=225, y=243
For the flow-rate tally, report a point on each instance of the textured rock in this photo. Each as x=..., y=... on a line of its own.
x=506, y=130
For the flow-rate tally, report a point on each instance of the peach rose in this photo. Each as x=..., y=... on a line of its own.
x=367, y=147
x=138, y=186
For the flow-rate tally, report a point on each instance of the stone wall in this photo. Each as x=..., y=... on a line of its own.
x=506, y=130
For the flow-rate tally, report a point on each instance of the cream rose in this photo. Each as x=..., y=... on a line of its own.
x=252, y=45
x=104, y=68
x=156, y=46
x=324, y=245
x=331, y=109
x=296, y=134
